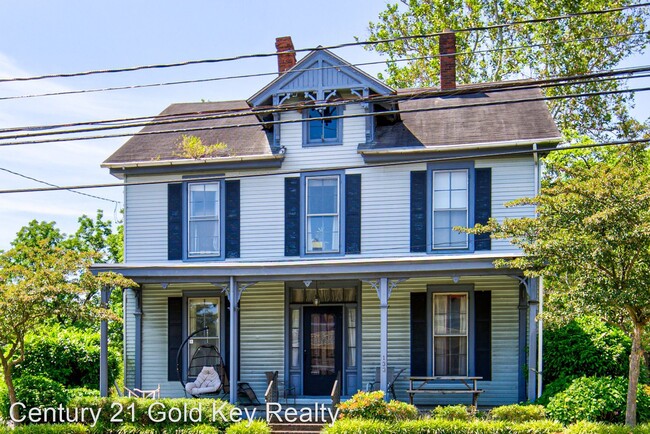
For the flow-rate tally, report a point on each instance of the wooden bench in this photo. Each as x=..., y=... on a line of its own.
x=445, y=386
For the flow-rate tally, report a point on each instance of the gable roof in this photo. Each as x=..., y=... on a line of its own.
x=319, y=70
x=242, y=142
x=464, y=119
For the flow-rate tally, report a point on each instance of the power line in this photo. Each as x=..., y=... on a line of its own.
x=273, y=73
x=247, y=111
x=330, y=47
x=40, y=181
x=340, y=168
x=346, y=116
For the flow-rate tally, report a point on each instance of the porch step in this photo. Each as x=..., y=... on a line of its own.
x=296, y=428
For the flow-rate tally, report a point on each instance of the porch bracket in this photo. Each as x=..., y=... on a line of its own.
x=103, y=345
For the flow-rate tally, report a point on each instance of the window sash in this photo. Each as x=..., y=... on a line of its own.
x=323, y=130
x=203, y=228
x=449, y=208
x=450, y=333
x=317, y=218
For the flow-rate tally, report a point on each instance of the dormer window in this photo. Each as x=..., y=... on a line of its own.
x=322, y=131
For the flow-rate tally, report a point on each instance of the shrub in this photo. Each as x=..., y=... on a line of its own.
x=68, y=356
x=454, y=412
x=138, y=420
x=371, y=405
x=596, y=399
x=441, y=426
x=552, y=389
x=34, y=391
x=584, y=427
x=244, y=427
x=518, y=413
x=51, y=429
x=603, y=350
x=82, y=392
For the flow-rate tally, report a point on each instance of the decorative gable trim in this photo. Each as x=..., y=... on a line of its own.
x=319, y=71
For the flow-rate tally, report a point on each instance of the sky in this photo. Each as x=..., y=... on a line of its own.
x=45, y=37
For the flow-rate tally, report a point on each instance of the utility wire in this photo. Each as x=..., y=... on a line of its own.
x=346, y=116
x=40, y=181
x=416, y=94
x=330, y=47
x=339, y=168
x=273, y=73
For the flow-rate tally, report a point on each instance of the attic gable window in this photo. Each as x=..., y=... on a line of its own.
x=322, y=131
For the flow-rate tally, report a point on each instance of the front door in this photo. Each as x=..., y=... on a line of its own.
x=323, y=348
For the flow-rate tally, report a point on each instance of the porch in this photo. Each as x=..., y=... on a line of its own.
x=377, y=327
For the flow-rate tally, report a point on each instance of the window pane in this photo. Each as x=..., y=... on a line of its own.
x=204, y=200
x=330, y=126
x=204, y=237
x=295, y=354
x=204, y=312
x=322, y=196
x=459, y=180
x=458, y=218
x=458, y=239
x=323, y=234
x=441, y=219
x=450, y=356
x=441, y=181
x=450, y=314
x=441, y=238
x=315, y=127
x=441, y=199
x=459, y=198
x=352, y=357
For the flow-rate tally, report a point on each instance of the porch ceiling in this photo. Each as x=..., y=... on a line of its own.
x=302, y=269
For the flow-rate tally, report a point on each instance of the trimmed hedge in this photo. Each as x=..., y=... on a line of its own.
x=68, y=356
x=371, y=405
x=441, y=426
x=34, y=391
x=454, y=412
x=244, y=427
x=138, y=420
x=596, y=399
x=518, y=413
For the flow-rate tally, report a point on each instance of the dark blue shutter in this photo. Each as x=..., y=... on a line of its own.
x=418, y=211
x=292, y=217
x=419, y=333
x=174, y=335
x=483, y=334
x=483, y=206
x=174, y=222
x=353, y=214
x=232, y=219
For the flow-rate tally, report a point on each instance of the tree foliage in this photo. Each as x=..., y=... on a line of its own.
x=566, y=47
x=45, y=278
x=591, y=242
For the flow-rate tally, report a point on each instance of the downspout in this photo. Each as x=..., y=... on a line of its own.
x=540, y=286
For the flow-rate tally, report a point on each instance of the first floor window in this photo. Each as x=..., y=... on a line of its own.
x=203, y=314
x=450, y=208
x=450, y=334
x=323, y=214
x=203, y=220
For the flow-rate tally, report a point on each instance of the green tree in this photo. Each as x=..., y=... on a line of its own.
x=591, y=242
x=39, y=283
x=557, y=48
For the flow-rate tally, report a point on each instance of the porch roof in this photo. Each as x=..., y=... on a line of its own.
x=302, y=269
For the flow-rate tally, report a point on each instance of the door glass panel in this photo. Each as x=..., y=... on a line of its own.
x=322, y=351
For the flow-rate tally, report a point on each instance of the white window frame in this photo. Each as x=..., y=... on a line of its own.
x=308, y=243
x=216, y=219
x=433, y=330
x=450, y=209
x=215, y=339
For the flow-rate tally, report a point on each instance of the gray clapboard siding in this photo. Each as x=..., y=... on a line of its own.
x=262, y=218
x=503, y=387
x=129, y=338
x=145, y=223
x=262, y=334
x=154, y=340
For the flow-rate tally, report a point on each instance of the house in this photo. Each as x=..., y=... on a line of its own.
x=327, y=220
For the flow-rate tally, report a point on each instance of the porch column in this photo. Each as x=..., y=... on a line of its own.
x=383, y=334
x=137, y=313
x=233, y=297
x=533, y=304
x=103, y=344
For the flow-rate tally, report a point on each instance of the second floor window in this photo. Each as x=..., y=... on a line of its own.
x=322, y=131
x=322, y=214
x=204, y=237
x=450, y=208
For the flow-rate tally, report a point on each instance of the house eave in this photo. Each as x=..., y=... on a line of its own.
x=264, y=161
x=309, y=269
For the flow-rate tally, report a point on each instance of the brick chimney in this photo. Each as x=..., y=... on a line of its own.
x=447, y=43
x=286, y=55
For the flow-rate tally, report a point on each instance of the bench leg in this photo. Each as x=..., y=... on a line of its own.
x=475, y=399
x=411, y=398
